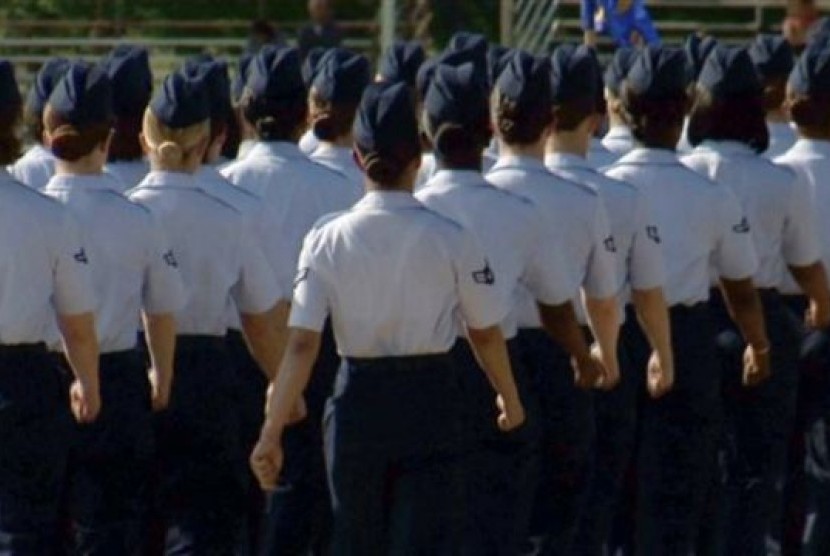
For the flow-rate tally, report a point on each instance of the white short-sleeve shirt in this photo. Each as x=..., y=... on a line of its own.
x=783, y=228
x=341, y=160
x=133, y=265
x=512, y=233
x=781, y=139
x=599, y=156
x=219, y=260
x=35, y=168
x=701, y=224
x=393, y=275
x=618, y=140
x=308, y=142
x=129, y=173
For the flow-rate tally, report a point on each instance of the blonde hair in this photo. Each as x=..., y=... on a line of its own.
x=174, y=147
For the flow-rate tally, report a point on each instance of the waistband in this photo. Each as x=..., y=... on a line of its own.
x=21, y=350
x=689, y=310
x=198, y=342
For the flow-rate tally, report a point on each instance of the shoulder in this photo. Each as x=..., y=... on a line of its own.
x=15, y=192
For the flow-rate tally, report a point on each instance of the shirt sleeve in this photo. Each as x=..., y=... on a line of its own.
x=482, y=304
x=73, y=288
x=163, y=287
x=734, y=256
x=800, y=246
x=646, y=270
x=545, y=275
x=310, y=306
x=600, y=280
x=257, y=290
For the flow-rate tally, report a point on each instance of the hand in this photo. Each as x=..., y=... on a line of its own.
x=611, y=378
x=588, y=372
x=660, y=376
x=266, y=460
x=85, y=402
x=817, y=317
x=511, y=416
x=160, y=391
x=756, y=365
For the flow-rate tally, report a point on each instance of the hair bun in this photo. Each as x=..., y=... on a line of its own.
x=324, y=126
x=380, y=170
x=170, y=153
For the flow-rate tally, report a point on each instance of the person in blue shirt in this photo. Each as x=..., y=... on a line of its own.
x=626, y=22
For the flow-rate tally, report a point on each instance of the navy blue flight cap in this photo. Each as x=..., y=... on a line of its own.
x=618, y=68
x=575, y=73
x=457, y=95
x=697, y=49
x=243, y=67
x=526, y=80
x=129, y=70
x=473, y=42
x=385, y=118
x=50, y=73
x=276, y=74
x=819, y=29
x=83, y=96
x=772, y=55
x=658, y=73
x=213, y=75
x=729, y=72
x=497, y=57
x=343, y=80
x=401, y=62
x=181, y=102
x=311, y=63
x=447, y=58
x=811, y=74
x=9, y=91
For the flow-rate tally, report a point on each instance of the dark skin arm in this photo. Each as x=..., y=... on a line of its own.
x=560, y=322
x=813, y=282
x=745, y=308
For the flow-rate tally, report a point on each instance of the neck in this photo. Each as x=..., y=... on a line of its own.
x=777, y=117
x=83, y=167
x=380, y=188
x=344, y=141
x=534, y=150
x=569, y=142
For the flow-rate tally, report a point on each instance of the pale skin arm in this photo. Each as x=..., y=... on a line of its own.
x=746, y=311
x=265, y=334
x=813, y=282
x=604, y=321
x=653, y=316
x=80, y=343
x=160, y=334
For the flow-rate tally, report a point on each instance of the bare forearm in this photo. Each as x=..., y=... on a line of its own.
x=745, y=308
x=654, y=320
x=265, y=335
x=604, y=320
x=491, y=351
x=81, y=347
x=812, y=280
x=160, y=333
x=561, y=325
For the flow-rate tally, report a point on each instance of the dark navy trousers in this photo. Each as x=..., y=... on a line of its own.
x=678, y=444
x=297, y=519
x=502, y=470
x=112, y=461
x=394, y=445
x=35, y=433
x=568, y=435
x=202, y=463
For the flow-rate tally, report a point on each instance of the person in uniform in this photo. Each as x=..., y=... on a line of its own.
x=618, y=140
x=295, y=193
x=393, y=275
x=626, y=22
x=135, y=274
x=504, y=468
x=244, y=139
x=44, y=278
x=728, y=129
x=401, y=62
x=697, y=48
x=640, y=275
x=701, y=227
x=36, y=166
x=333, y=99
x=498, y=57
x=808, y=103
x=201, y=457
x=128, y=68
x=774, y=60
x=311, y=63
x=577, y=225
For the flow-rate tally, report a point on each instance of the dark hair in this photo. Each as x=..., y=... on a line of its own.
x=330, y=121
x=33, y=123
x=775, y=93
x=125, y=144
x=568, y=116
x=10, y=145
x=386, y=166
x=737, y=118
x=654, y=123
x=275, y=120
x=459, y=146
x=70, y=142
x=519, y=125
x=810, y=113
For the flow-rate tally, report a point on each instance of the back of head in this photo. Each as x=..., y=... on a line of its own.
x=522, y=99
x=401, y=62
x=176, y=123
x=697, y=48
x=311, y=63
x=774, y=59
x=498, y=56
x=79, y=114
x=10, y=110
x=386, y=132
x=576, y=85
x=617, y=70
x=808, y=89
x=47, y=77
x=336, y=91
x=132, y=83
x=213, y=76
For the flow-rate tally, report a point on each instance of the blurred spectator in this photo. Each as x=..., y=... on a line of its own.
x=323, y=31
x=626, y=22
x=261, y=33
x=801, y=16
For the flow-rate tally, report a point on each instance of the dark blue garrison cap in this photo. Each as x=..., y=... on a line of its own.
x=697, y=49
x=729, y=72
x=658, y=73
x=50, y=73
x=343, y=80
x=213, y=76
x=276, y=74
x=181, y=102
x=447, y=58
x=618, y=68
x=84, y=95
x=772, y=56
x=311, y=63
x=401, y=62
x=526, y=80
x=457, y=95
x=243, y=67
x=9, y=91
x=129, y=70
x=497, y=57
x=575, y=73
x=385, y=118
x=811, y=74
x=474, y=42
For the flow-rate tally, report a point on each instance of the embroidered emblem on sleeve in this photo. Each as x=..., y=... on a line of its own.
x=485, y=276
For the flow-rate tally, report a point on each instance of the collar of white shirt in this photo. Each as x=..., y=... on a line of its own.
x=810, y=148
x=102, y=181
x=726, y=148
x=180, y=180
x=567, y=160
x=519, y=161
x=389, y=200
x=457, y=178
x=275, y=149
x=619, y=132
x=644, y=156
